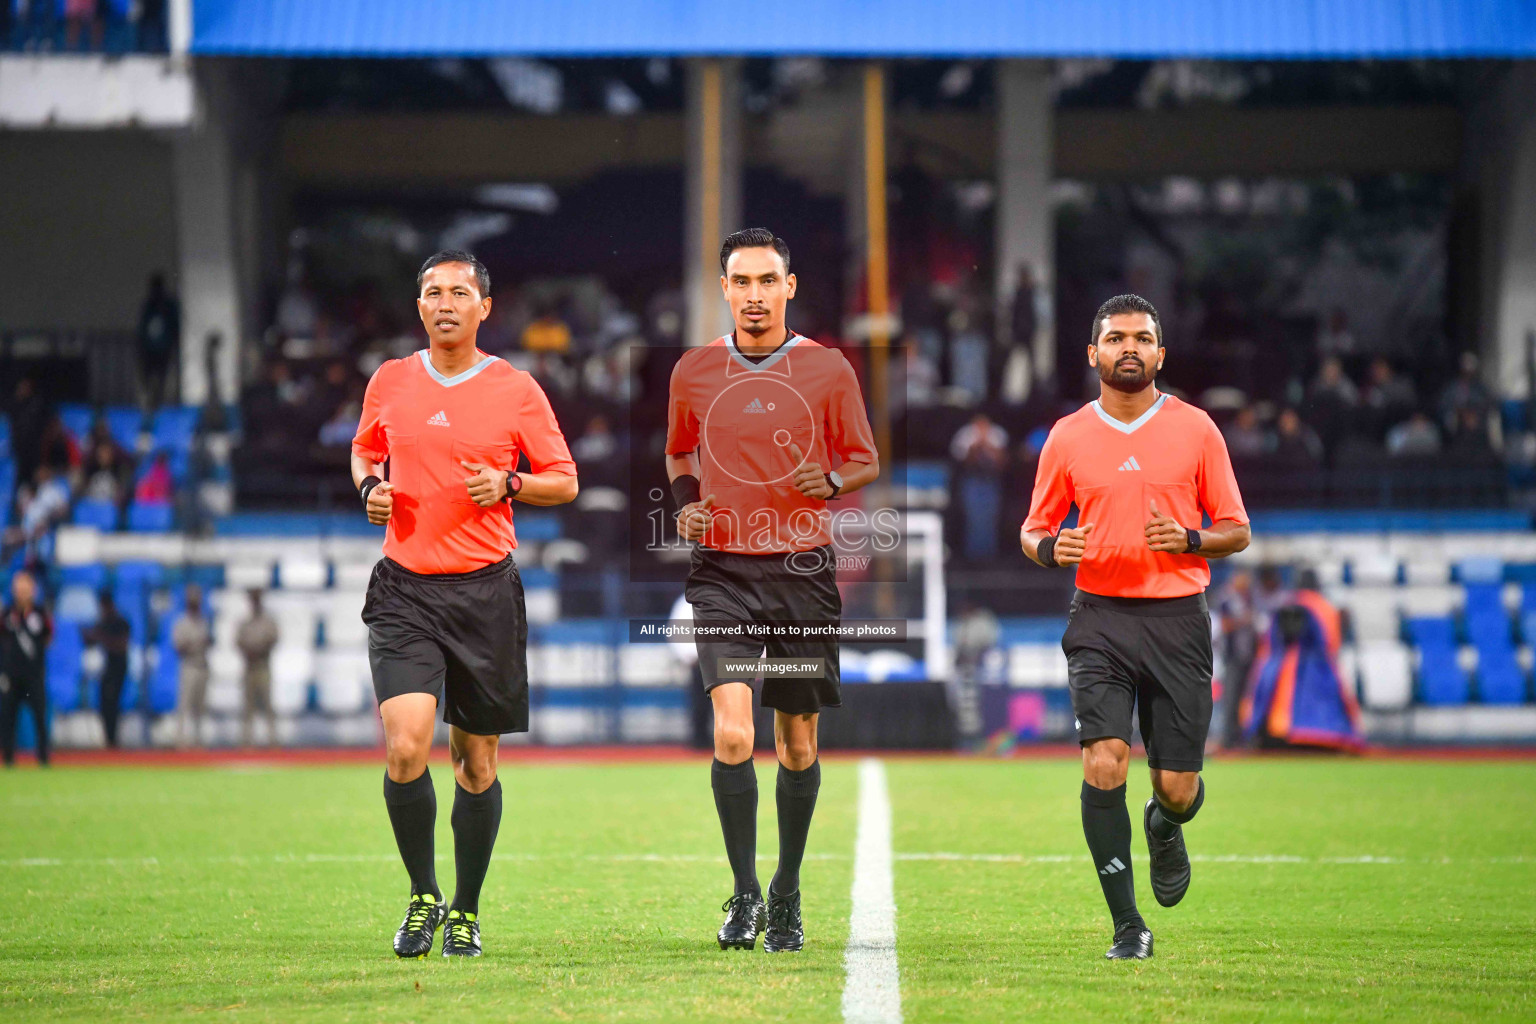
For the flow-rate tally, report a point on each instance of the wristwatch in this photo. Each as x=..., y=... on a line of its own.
x=514, y=485
x=1194, y=541
x=836, y=480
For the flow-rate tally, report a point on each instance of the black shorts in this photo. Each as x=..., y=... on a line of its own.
x=726, y=588
x=1149, y=653
x=462, y=637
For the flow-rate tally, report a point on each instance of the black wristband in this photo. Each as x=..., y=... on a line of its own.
x=366, y=487
x=1192, y=538
x=1046, y=552
x=685, y=490
x=514, y=485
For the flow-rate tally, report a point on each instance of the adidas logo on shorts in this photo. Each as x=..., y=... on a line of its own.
x=1114, y=867
x=1129, y=464
x=755, y=406
x=441, y=420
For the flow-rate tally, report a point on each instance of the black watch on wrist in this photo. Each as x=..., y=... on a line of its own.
x=514, y=485
x=1193, y=540
x=836, y=480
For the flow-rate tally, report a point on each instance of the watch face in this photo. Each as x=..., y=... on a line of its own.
x=836, y=479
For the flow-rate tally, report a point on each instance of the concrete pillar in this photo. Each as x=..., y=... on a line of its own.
x=1508, y=201
x=713, y=192
x=1025, y=222
x=208, y=244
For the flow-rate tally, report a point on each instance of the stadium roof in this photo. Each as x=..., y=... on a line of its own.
x=1247, y=29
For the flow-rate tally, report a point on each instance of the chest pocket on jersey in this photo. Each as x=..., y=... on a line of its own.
x=758, y=456
x=497, y=456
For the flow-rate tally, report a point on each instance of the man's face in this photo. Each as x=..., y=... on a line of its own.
x=1127, y=354
x=450, y=303
x=23, y=588
x=758, y=289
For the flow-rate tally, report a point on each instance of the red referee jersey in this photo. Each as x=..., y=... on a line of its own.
x=1114, y=472
x=425, y=424
x=742, y=415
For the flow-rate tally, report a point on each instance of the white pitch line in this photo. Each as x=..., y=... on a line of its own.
x=872, y=990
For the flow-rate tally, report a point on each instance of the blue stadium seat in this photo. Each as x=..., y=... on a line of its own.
x=1499, y=677
x=1441, y=680
x=7, y=489
x=94, y=512
x=140, y=574
x=125, y=422
x=174, y=427
x=92, y=574
x=163, y=681
x=77, y=418
x=64, y=666
x=1487, y=621
x=149, y=517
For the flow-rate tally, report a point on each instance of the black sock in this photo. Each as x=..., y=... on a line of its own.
x=1107, y=827
x=476, y=818
x=796, y=793
x=1165, y=822
x=413, y=813
x=735, y=787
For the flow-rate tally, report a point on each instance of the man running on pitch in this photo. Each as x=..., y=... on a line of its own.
x=445, y=616
x=1142, y=467
x=764, y=428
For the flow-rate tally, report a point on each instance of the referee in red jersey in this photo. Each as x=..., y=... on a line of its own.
x=446, y=624
x=1145, y=470
x=764, y=427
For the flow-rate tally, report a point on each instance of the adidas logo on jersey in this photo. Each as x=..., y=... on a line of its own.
x=1129, y=464
x=1114, y=867
x=755, y=406
x=441, y=420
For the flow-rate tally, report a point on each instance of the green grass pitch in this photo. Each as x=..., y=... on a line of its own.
x=1323, y=890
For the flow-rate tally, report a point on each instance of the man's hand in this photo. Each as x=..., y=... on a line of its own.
x=693, y=518
x=1071, y=544
x=488, y=486
x=1163, y=534
x=381, y=503
x=809, y=476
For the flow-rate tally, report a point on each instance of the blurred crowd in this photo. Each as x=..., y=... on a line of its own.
x=113, y=26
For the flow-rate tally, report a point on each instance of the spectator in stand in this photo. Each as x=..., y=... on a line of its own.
x=547, y=333
x=46, y=505
x=1466, y=392
x=1470, y=441
x=1246, y=438
x=922, y=378
x=26, y=630
x=339, y=430
x=1389, y=398
x=109, y=472
x=1416, y=436
x=1332, y=402
x=1239, y=645
x=59, y=451
x=191, y=638
x=597, y=443
x=981, y=449
x=29, y=418
x=157, y=485
x=256, y=638
x=159, y=337
x=1295, y=442
x=968, y=355
x=82, y=28
x=111, y=633
x=1335, y=339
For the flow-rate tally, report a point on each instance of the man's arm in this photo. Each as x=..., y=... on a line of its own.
x=1222, y=538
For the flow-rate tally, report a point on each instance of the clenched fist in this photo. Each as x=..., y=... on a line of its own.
x=381, y=503
x=693, y=518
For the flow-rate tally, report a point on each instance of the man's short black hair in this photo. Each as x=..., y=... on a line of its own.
x=1126, y=304
x=482, y=276
x=754, y=238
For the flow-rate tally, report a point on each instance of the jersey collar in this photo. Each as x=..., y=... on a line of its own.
x=762, y=364
x=1134, y=425
x=458, y=378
